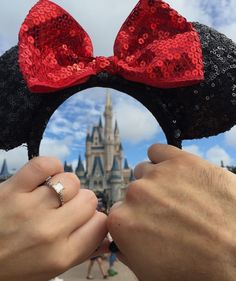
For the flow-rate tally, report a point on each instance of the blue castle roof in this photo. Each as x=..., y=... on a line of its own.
x=115, y=166
x=4, y=171
x=97, y=164
x=126, y=165
x=80, y=167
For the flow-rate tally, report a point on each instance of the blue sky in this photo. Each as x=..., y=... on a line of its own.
x=65, y=134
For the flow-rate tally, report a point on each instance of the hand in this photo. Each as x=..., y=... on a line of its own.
x=39, y=239
x=178, y=220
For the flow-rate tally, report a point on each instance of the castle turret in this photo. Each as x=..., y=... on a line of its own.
x=132, y=177
x=80, y=166
x=126, y=165
x=108, y=135
x=116, y=180
x=118, y=145
x=100, y=122
x=117, y=134
x=68, y=168
x=126, y=172
x=88, y=153
x=80, y=171
x=100, y=126
x=4, y=175
x=88, y=137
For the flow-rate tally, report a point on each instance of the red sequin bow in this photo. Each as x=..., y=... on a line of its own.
x=155, y=46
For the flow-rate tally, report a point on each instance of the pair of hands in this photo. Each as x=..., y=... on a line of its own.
x=177, y=221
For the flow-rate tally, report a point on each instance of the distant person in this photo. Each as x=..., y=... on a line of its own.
x=100, y=263
x=111, y=260
x=98, y=259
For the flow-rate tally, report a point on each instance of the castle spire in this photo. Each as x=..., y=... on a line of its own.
x=116, y=127
x=115, y=166
x=4, y=170
x=108, y=134
x=67, y=168
x=126, y=165
x=80, y=167
x=4, y=174
x=88, y=136
x=100, y=122
x=132, y=177
x=80, y=171
x=108, y=99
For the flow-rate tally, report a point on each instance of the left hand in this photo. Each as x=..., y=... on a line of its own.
x=38, y=238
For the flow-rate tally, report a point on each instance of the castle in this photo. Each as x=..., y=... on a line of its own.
x=106, y=171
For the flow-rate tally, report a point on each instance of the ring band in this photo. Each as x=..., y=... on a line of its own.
x=58, y=188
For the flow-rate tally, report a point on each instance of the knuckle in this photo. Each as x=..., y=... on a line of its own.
x=114, y=219
x=140, y=166
x=136, y=190
x=73, y=180
x=42, y=164
x=131, y=191
x=120, y=221
x=101, y=217
x=91, y=197
x=155, y=172
x=153, y=148
x=72, y=177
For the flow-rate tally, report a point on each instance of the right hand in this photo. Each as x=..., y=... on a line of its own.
x=38, y=239
x=178, y=219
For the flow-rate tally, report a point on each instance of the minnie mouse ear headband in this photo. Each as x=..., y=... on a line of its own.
x=183, y=73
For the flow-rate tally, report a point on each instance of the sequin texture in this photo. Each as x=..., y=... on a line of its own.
x=155, y=46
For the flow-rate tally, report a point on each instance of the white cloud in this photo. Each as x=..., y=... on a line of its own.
x=16, y=158
x=59, y=125
x=135, y=122
x=56, y=148
x=221, y=10
x=229, y=30
x=192, y=10
x=194, y=149
x=216, y=154
x=230, y=137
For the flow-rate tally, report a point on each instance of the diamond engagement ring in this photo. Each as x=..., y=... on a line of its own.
x=58, y=188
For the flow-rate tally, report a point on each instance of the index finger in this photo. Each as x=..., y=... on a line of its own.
x=158, y=153
x=35, y=173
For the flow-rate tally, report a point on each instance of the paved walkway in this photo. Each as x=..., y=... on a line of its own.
x=79, y=273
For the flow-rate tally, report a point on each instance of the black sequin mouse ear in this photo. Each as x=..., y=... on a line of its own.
x=190, y=112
